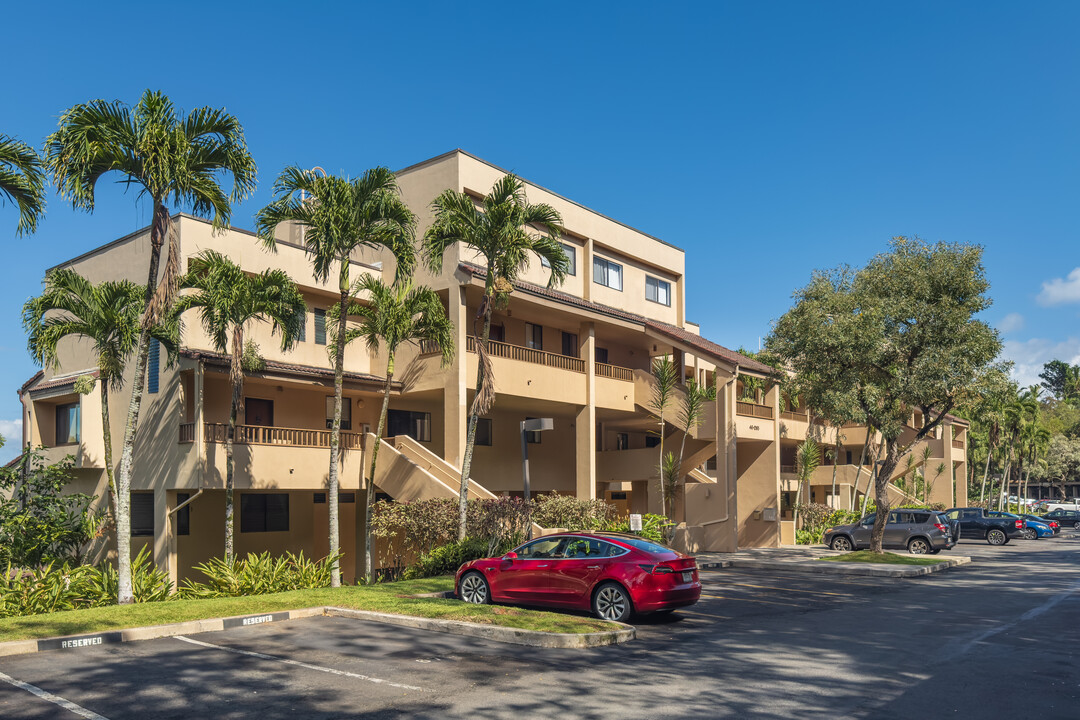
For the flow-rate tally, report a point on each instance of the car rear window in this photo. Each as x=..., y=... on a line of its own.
x=644, y=545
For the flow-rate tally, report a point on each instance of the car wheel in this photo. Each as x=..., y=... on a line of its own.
x=612, y=602
x=996, y=537
x=918, y=546
x=1030, y=534
x=1077, y=524
x=474, y=589
x=842, y=543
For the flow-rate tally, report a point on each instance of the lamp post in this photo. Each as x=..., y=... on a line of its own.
x=528, y=426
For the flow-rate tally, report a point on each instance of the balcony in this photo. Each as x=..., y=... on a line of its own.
x=524, y=354
x=958, y=444
x=614, y=372
x=280, y=436
x=749, y=409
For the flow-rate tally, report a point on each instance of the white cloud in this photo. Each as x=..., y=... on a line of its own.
x=1058, y=290
x=1029, y=356
x=12, y=432
x=1011, y=323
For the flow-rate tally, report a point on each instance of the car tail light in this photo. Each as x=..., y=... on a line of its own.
x=1019, y=524
x=1053, y=524
x=660, y=569
x=941, y=527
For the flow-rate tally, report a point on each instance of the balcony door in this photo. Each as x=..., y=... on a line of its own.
x=258, y=411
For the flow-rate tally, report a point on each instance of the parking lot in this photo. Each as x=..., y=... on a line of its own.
x=758, y=644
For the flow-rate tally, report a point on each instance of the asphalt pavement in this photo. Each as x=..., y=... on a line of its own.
x=994, y=639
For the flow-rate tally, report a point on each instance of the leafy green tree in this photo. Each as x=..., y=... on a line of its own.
x=340, y=217
x=39, y=522
x=174, y=160
x=107, y=315
x=1061, y=379
x=505, y=231
x=228, y=300
x=22, y=181
x=392, y=316
x=1062, y=463
x=898, y=335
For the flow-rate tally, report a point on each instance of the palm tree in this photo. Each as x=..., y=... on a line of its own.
x=340, y=217
x=807, y=460
x=665, y=379
x=504, y=230
x=690, y=415
x=228, y=299
x=107, y=315
x=22, y=181
x=392, y=316
x=174, y=160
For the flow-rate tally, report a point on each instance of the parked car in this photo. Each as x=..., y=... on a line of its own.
x=1065, y=518
x=917, y=531
x=1033, y=529
x=978, y=524
x=612, y=574
x=1055, y=526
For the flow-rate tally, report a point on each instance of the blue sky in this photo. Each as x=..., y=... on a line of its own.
x=765, y=138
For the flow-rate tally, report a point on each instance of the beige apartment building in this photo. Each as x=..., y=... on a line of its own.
x=580, y=354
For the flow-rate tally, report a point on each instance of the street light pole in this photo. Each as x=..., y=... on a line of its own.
x=527, y=426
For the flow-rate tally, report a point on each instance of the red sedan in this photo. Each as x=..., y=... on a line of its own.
x=612, y=574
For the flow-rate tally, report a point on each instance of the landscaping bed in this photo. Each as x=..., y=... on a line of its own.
x=865, y=556
x=397, y=598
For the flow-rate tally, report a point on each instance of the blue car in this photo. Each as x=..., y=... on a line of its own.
x=1033, y=529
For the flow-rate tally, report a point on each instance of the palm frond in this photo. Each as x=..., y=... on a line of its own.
x=22, y=181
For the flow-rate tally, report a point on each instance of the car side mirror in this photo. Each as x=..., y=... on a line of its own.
x=510, y=555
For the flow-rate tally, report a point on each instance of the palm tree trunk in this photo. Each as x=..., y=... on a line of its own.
x=125, y=596
x=335, y=439
x=106, y=436
x=986, y=472
x=236, y=376
x=470, y=438
x=368, y=570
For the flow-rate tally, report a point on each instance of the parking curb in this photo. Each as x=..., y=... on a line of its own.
x=820, y=567
x=516, y=636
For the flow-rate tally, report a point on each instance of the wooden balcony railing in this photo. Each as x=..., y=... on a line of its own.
x=291, y=437
x=430, y=347
x=524, y=354
x=958, y=444
x=187, y=432
x=787, y=469
x=749, y=409
x=801, y=417
x=614, y=371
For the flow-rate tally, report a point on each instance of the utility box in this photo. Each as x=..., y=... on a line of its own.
x=769, y=515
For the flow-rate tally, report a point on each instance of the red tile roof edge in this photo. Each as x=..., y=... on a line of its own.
x=304, y=370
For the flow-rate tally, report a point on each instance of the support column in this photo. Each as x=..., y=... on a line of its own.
x=455, y=394
x=164, y=545
x=585, y=422
x=200, y=434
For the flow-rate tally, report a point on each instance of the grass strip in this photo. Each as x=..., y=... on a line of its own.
x=396, y=598
x=865, y=556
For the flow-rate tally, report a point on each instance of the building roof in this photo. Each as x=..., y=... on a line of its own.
x=672, y=332
x=293, y=369
x=34, y=384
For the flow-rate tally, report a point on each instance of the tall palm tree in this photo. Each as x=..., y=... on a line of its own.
x=22, y=181
x=665, y=380
x=807, y=460
x=174, y=160
x=395, y=315
x=340, y=217
x=107, y=315
x=229, y=299
x=505, y=230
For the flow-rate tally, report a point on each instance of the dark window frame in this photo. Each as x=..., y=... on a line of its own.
x=183, y=515
x=320, y=325
x=658, y=282
x=64, y=410
x=257, y=513
x=142, y=514
x=606, y=266
x=485, y=432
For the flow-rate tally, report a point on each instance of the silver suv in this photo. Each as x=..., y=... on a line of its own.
x=917, y=531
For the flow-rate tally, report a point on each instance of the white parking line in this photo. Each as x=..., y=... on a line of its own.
x=54, y=699
x=297, y=663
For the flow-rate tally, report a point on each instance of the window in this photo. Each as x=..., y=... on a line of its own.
x=618, y=496
x=183, y=515
x=142, y=514
x=346, y=413
x=542, y=549
x=622, y=441
x=152, y=367
x=344, y=497
x=497, y=333
x=259, y=412
x=601, y=355
x=264, y=512
x=534, y=336
x=302, y=337
x=319, y=498
x=483, y=431
x=569, y=344
x=571, y=255
x=652, y=440
x=607, y=273
x=657, y=290
x=533, y=436
x=67, y=424
x=416, y=425
x=320, y=326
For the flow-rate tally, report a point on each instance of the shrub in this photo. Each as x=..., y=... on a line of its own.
x=564, y=511
x=149, y=583
x=446, y=559
x=654, y=528
x=807, y=537
x=258, y=574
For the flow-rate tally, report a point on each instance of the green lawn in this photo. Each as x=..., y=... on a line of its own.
x=393, y=598
x=865, y=556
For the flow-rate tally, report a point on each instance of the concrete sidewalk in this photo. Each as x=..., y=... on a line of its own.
x=807, y=558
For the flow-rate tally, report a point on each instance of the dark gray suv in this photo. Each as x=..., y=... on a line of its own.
x=917, y=531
